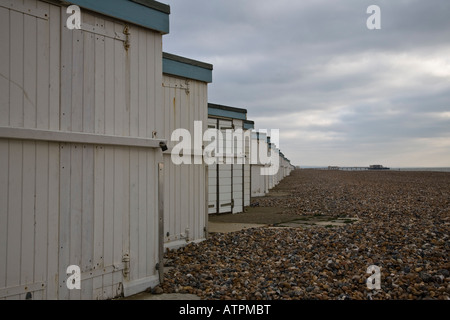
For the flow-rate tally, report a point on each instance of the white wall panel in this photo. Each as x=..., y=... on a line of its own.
x=184, y=184
x=63, y=203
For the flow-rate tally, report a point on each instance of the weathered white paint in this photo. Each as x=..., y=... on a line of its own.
x=229, y=182
x=67, y=195
x=185, y=101
x=212, y=177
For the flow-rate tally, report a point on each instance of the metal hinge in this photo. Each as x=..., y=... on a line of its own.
x=126, y=32
x=126, y=265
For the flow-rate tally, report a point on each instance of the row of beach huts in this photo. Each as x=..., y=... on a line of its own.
x=87, y=177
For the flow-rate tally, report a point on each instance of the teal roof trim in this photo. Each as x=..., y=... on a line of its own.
x=249, y=125
x=226, y=112
x=187, y=68
x=129, y=11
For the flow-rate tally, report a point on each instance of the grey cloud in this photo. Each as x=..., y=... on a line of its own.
x=279, y=59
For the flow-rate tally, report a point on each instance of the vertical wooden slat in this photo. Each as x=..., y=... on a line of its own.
x=77, y=80
x=204, y=170
x=109, y=85
x=43, y=70
x=55, y=67
x=16, y=90
x=41, y=215
x=141, y=227
x=152, y=214
x=151, y=86
x=28, y=217
x=167, y=161
x=108, y=221
x=53, y=220
x=134, y=211
x=172, y=172
x=30, y=70
x=14, y=214
x=185, y=191
x=155, y=84
x=119, y=192
x=133, y=55
x=168, y=195
x=190, y=174
x=4, y=163
x=99, y=172
x=89, y=79
x=126, y=209
x=199, y=179
x=179, y=222
x=161, y=221
x=66, y=74
x=167, y=109
x=87, y=218
x=120, y=113
x=144, y=108
x=4, y=67
x=76, y=198
x=99, y=79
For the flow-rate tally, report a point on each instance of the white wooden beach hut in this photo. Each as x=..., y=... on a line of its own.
x=229, y=184
x=185, y=83
x=248, y=125
x=81, y=168
x=259, y=181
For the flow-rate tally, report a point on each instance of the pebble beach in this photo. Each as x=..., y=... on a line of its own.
x=400, y=222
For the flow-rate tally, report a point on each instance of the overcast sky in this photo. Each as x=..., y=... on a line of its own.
x=340, y=94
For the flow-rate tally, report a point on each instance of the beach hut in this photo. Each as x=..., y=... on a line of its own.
x=82, y=126
x=185, y=101
x=229, y=183
x=248, y=125
x=259, y=181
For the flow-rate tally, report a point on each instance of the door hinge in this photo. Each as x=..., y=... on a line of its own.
x=126, y=265
x=126, y=32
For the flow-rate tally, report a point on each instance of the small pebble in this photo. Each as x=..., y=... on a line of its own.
x=408, y=239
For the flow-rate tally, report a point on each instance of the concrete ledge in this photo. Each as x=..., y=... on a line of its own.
x=172, y=245
x=140, y=285
x=225, y=227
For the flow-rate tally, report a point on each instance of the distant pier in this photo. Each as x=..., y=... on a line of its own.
x=371, y=167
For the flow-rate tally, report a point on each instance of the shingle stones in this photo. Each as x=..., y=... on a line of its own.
x=407, y=238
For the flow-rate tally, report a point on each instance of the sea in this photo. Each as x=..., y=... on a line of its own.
x=438, y=169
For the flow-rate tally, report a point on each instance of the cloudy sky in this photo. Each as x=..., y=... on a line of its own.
x=340, y=94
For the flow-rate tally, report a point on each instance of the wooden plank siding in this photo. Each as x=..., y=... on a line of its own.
x=79, y=204
x=184, y=101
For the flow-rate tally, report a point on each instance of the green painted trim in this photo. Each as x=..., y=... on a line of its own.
x=129, y=11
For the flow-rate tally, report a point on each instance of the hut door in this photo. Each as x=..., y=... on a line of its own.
x=212, y=178
x=225, y=172
x=94, y=191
